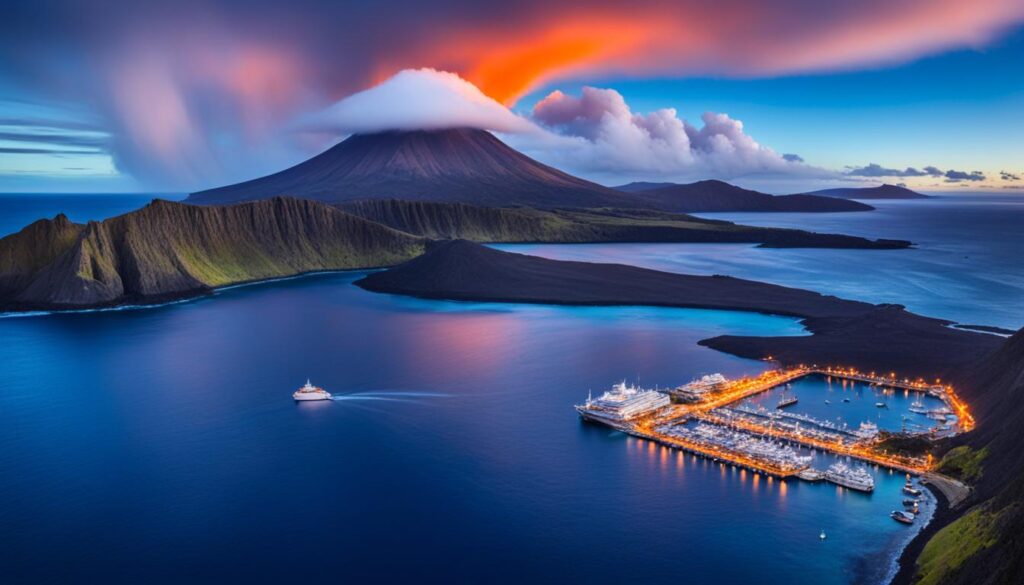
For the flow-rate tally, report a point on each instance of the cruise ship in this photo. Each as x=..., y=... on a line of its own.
x=855, y=478
x=696, y=390
x=622, y=403
x=311, y=392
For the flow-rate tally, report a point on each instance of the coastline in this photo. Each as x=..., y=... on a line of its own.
x=907, y=560
x=154, y=302
x=881, y=338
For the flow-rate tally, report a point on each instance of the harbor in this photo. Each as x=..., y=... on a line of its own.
x=711, y=417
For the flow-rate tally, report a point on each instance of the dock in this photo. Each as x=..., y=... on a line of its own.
x=713, y=409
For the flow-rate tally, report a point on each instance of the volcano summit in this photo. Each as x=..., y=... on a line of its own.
x=454, y=165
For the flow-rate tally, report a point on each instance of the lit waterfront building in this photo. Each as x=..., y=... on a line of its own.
x=622, y=403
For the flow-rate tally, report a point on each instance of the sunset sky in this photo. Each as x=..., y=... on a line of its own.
x=783, y=95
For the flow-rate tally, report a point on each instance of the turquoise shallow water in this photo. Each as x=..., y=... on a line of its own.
x=161, y=445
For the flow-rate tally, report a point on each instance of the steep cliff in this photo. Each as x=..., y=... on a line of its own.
x=169, y=250
x=984, y=545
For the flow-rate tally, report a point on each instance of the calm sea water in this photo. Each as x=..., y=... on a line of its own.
x=20, y=209
x=162, y=445
x=967, y=264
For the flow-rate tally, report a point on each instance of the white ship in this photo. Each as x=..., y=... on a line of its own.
x=855, y=478
x=622, y=403
x=311, y=392
x=696, y=390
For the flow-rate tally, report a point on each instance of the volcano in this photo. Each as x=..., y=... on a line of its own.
x=452, y=165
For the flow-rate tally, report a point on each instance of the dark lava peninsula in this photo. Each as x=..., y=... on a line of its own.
x=849, y=333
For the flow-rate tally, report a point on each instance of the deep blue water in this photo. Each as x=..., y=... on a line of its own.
x=20, y=209
x=967, y=264
x=162, y=445
x=822, y=398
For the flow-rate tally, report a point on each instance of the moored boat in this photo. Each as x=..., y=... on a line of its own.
x=855, y=478
x=786, y=401
x=902, y=517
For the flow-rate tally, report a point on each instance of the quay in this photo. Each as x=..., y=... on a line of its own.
x=663, y=422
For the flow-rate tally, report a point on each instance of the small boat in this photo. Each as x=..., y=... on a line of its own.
x=310, y=392
x=908, y=489
x=786, y=401
x=908, y=502
x=881, y=405
x=822, y=535
x=828, y=402
x=917, y=407
x=902, y=517
x=846, y=399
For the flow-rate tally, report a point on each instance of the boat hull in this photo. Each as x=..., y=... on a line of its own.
x=311, y=397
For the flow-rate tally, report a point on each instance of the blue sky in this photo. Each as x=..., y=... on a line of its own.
x=142, y=99
x=962, y=109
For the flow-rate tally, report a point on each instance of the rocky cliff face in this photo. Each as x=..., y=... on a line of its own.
x=36, y=246
x=168, y=250
x=984, y=545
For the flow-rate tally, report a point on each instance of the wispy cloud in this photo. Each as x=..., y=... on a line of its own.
x=958, y=176
x=877, y=170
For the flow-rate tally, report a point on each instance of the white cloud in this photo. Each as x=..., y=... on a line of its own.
x=610, y=138
x=418, y=99
x=596, y=134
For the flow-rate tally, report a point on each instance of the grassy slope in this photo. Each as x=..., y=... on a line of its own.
x=172, y=249
x=985, y=545
x=946, y=552
x=509, y=225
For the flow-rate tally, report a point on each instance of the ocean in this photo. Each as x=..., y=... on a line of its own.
x=966, y=264
x=162, y=444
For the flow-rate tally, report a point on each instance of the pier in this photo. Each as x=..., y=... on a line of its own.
x=664, y=425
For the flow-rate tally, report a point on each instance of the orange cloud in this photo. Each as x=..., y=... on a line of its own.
x=507, y=59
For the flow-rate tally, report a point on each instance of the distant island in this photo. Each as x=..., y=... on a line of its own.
x=879, y=192
x=718, y=196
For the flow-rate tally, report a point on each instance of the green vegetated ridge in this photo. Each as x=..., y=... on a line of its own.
x=171, y=249
x=946, y=552
x=443, y=220
x=963, y=463
x=985, y=545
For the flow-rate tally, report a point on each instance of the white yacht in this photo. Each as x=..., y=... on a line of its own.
x=311, y=392
x=622, y=403
x=918, y=407
x=855, y=478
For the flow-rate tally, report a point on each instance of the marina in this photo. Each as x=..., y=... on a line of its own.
x=711, y=417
